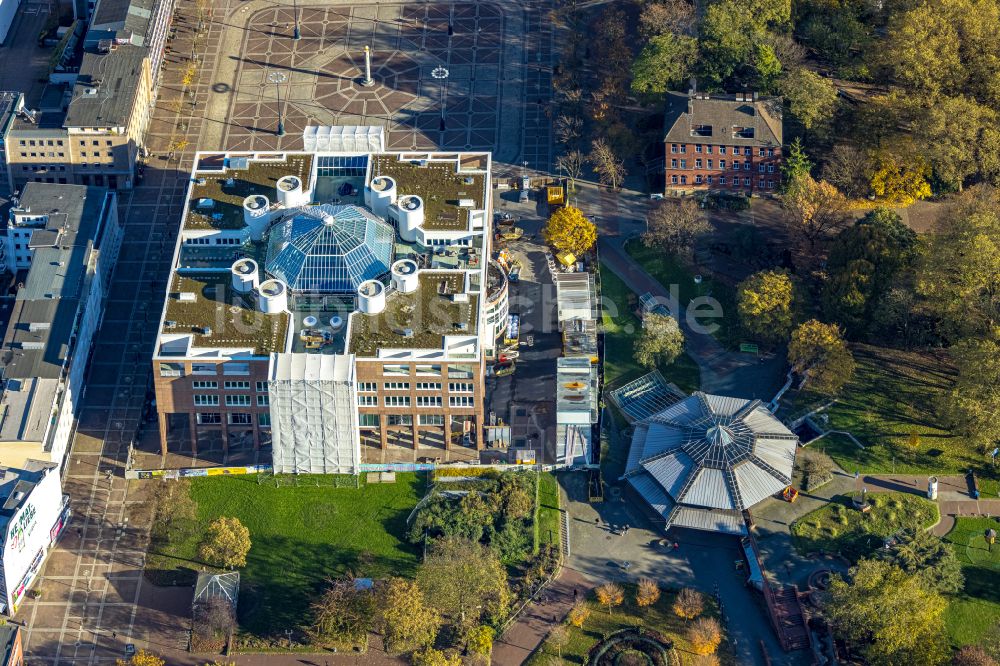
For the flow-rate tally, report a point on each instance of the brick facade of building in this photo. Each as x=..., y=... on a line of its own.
x=725, y=143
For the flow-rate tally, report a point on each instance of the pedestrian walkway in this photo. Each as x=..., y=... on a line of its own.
x=538, y=619
x=721, y=371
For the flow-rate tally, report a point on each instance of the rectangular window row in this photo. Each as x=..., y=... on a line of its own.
x=681, y=148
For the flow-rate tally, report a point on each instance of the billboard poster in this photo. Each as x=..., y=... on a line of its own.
x=28, y=534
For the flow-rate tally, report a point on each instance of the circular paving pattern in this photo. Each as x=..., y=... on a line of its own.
x=326, y=65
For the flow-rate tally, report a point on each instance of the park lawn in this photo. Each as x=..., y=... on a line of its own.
x=548, y=516
x=839, y=528
x=668, y=270
x=622, y=328
x=658, y=617
x=890, y=399
x=975, y=612
x=302, y=535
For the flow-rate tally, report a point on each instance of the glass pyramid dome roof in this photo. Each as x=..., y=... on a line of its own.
x=329, y=249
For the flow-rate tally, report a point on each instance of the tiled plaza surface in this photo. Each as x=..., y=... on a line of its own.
x=324, y=72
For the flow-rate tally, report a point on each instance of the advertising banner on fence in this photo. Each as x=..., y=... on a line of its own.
x=187, y=472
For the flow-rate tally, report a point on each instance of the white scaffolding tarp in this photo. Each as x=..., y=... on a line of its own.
x=343, y=139
x=314, y=421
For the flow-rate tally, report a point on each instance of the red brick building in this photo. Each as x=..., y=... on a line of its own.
x=724, y=143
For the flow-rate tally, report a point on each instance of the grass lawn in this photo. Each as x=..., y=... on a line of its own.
x=839, y=528
x=668, y=271
x=890, y=399
x=301, y=536
x=975, y=612
x=658, y=617
x=547, y=518
x=622, y=328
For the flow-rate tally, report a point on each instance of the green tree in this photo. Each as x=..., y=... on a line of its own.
x=958, y=136
x=866, y=260
x=960, y=276
x=465, y=581
x=403, y=617
x=811, y=98
x=343, y=612
x=729, y=33
x=970, y=406
x=479, y=640
x=661, y=341
x=921, y=49
x=921, y=553
x=836, y=31
x=663, y=62
x=431, y=657
x=764, y=302
x=226, y=544
x=569, y=231
x=766, y=65
x=796, y=164
x=515, y=496
x=888, y=615
x=818, y=353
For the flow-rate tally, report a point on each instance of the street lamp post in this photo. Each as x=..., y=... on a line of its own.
x=277, y=78
x=441, y=74
x=296, y=34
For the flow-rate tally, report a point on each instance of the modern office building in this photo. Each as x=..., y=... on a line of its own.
x=723, y=143
x=33, y=514
x=92, y=132
x=329, y=303
x=61, y=241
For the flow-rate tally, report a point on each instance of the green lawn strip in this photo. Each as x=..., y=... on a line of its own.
x=659, y=617
x=547, y=517
x=621, y=329
x=302, y=535
x=841, y=529
x=668, y=270
x=975, y=612
x=891, y=398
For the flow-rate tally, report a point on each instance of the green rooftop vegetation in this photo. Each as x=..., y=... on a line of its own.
x=440, y=188
x=231, y=318
x=418, y=320
x=226, y=211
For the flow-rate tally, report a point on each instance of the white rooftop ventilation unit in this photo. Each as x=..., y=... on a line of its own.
x=371, y=297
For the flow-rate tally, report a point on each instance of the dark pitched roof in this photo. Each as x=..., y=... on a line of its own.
x=702, y=118
x=37, y=340
x=106, y=88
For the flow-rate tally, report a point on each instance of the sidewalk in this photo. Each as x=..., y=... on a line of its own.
x=529, y=632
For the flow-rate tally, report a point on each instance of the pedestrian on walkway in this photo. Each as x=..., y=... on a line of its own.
x=676, y=545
